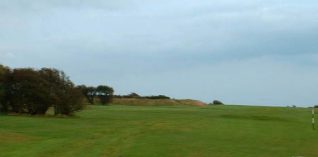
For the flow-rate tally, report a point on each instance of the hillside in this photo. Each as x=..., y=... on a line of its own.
x=156, y=102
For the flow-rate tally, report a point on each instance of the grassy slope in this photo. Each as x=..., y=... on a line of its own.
x=128, y=131
x=157, y=102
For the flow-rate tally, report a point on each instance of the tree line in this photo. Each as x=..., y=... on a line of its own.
x=102, y=92
x=32, y=91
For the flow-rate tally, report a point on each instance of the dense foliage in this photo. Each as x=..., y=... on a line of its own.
x=89, y=93
x=26, y=90
x=102, y=92
x=217, y=102
x=3, y=77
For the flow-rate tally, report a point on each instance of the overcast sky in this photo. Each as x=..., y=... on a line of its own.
x=257, y=52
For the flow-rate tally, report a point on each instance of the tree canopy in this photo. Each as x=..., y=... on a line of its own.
x=104, y=93
x=26, y=90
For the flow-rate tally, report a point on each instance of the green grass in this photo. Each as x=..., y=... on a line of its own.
x=131, y=131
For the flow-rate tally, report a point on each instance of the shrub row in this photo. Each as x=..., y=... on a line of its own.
x=26, y=90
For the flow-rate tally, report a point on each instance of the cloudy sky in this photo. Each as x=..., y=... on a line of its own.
x=258, y=52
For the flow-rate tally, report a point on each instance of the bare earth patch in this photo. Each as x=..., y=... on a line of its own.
x=14, y=137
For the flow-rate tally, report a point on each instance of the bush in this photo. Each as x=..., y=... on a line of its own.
x=4, y=71
x=26, y=90
x=70, y=102
x=217, y=102
x=157, y=97
x=63, y=94
x=133, y=95
x=105, y=94
x=88, y=92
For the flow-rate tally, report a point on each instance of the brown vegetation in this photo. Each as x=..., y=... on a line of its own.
x=156, y=102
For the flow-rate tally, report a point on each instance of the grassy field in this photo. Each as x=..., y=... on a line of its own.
x=131, y=131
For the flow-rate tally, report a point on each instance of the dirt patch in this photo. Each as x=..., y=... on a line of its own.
x=14, y=137
x=193, y=102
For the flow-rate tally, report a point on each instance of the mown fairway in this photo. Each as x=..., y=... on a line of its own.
x=128, y=131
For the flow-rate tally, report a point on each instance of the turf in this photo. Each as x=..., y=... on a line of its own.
x=132, y=131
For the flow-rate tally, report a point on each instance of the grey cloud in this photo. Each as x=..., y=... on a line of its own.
x=211, y=48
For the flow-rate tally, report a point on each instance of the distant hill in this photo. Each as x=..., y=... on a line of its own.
x=157, y=102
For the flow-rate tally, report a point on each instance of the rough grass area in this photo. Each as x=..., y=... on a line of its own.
x=137, y=131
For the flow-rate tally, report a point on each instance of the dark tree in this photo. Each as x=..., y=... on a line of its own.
x=104, y=93
x=4, y=72
x=34, y=91
x=88, y=92
x=70, y=100
x=27, y=91
x=64, y=97
x=133, y=95
x=217, y=102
